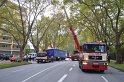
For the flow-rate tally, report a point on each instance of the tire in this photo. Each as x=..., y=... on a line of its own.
x=79, y=66
x=84, y=70
x=37, y=61
x=101, y=71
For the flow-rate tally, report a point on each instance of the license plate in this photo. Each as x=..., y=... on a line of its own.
x=95, y=63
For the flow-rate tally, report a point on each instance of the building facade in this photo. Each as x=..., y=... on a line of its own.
x=7, y=45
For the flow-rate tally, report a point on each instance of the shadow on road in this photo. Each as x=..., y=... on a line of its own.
x=93, y=72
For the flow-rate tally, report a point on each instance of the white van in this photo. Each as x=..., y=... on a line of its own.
x=33, y=55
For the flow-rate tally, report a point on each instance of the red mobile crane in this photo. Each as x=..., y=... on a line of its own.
x=92, y=55
x=75, y=55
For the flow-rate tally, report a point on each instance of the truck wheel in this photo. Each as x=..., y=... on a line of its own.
x=37, y=61
x=79, y=66
x=84, y=70
x=101, y=71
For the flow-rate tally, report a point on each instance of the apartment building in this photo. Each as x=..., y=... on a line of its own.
x=7, y=45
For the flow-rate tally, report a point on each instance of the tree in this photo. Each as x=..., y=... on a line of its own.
x=27, y=13
x=39, y=31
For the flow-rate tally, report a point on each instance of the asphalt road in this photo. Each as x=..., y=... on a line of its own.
x=64, y=71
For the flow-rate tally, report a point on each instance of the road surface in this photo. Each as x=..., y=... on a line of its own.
x=64, y=71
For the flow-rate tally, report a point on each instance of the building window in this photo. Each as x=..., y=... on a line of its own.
x=4, y=38
x=4, y=45
x=17, y=46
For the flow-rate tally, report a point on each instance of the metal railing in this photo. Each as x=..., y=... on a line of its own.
x=7, y=42
x=9, y=49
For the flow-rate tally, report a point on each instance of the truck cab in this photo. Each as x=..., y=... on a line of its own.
x=93, y=57
x=75, y=56
x=41, y=57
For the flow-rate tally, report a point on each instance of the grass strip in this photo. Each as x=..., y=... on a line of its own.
x=117, y=66
x=12, y=64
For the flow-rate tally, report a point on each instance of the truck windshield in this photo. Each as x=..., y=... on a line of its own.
x=41, y=55
x=90, y=48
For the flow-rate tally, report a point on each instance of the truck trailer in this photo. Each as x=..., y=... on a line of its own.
x=57, y=54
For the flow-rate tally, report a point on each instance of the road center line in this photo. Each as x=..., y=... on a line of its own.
x=105, y=79
x=62, y=78
x=39, y=73
x=70, y=69
x=18, y=70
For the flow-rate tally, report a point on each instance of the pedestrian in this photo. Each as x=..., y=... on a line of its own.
x=29, y=57
x=25, y=58
x=109, y=58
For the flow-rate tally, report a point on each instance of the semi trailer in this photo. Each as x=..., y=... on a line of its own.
x=57, y=54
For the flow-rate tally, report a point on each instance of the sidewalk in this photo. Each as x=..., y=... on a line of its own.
x=33, y=62
x=8, y=61
x=5, y=61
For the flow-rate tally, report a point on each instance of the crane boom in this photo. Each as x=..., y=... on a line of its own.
x=75, y=38
x=72, y=31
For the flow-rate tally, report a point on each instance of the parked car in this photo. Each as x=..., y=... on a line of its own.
x=67, y=59
x=1, y=56
x=4, y=56
x=15, y=58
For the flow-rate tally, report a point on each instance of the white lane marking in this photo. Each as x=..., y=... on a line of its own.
x=105, y=79
x=18, y=70
x=74, y=65
x=39, y=73
x=70, y=69
x=62, y=78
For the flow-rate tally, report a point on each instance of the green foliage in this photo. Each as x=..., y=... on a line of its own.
x=54, y=2
x=67, y=1
x=117, y=66
x=12, y=23
x=2, y=2
x=39, y=32
x=27, y=51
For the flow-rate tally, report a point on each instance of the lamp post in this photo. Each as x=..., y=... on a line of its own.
x=12, y=47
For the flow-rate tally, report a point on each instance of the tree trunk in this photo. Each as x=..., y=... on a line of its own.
x=36, y=49
x=20, y=53
x=118, y=49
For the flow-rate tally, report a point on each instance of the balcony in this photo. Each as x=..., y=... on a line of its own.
x=7, y=42
x=9, y=49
